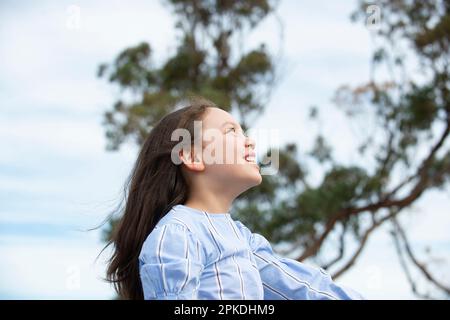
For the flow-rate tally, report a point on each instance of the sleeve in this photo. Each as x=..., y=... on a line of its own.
x=285, y=278
x=170, y=264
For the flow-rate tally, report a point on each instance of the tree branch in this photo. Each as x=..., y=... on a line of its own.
x=405, y=267
x=341, y=252
x=389, y=153
x=415, y=193
x=362, y=244
x=420, y=265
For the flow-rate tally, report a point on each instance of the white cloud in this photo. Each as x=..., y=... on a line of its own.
x=57, y=69
x=47, y=269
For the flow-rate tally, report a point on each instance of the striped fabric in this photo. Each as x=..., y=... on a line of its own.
x=192, y=254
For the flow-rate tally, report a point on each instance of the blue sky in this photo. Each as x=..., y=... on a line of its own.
x=56, y=179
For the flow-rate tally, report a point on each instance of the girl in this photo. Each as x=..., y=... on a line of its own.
x=177, y=239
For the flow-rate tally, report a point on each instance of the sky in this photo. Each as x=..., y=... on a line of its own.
x=57, y=180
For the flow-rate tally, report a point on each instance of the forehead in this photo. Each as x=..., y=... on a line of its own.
x=215, y=117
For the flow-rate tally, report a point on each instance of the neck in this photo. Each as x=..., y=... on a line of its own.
x=209, y=202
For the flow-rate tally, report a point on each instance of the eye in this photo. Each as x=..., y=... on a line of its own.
x=231, y=129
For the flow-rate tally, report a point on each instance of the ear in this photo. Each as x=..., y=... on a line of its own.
x=191, y=160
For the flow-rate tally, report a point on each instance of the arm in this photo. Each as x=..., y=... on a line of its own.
x=170, y=263
x=285, y=278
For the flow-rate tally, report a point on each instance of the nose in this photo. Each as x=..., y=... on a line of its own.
x=250, y=142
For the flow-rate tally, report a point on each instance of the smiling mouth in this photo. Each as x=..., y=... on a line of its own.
x=250, y=158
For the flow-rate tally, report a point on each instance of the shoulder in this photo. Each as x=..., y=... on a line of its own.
x=162, y=232
x=170, y=237
x=243, y=228
x=255, y=240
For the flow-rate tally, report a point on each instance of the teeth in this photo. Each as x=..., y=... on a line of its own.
x=250, y=159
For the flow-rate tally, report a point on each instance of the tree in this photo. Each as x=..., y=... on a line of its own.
x=352, y=201
x=205, y=63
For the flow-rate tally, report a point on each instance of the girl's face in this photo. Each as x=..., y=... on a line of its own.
x=228, y=155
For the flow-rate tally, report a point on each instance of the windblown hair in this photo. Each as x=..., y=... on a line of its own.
x=154, y=186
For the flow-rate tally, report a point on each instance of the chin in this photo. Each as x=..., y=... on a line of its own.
x=254, y=180
x=241, y=178
x=251, y=183
x=258, y=180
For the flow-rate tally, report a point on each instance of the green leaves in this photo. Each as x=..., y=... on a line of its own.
x=252, y=67
x=239, y=13
x=321, y=150
x=341, y=187
x=420, y=109
x=131, y=68
x=184, y=70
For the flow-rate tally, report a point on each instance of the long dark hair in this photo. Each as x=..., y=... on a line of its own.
x=155, y=184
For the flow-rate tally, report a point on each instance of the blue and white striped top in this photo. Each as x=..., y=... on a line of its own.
x=192, y=254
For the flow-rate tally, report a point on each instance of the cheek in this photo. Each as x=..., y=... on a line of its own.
x=234, y=149
x=234, y=168
x=224, y=149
